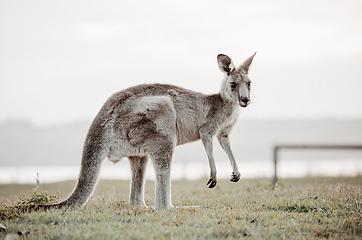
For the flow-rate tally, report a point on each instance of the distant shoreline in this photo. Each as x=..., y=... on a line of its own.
x=189, y=170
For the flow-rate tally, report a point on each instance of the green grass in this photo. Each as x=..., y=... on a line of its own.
x=311, y=208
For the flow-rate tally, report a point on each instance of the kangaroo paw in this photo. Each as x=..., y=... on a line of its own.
x=235, y=176
x=212, y=182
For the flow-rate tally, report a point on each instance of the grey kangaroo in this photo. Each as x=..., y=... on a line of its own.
x=149, y=121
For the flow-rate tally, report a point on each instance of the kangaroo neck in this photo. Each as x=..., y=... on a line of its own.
x=218, y=104
x=227, y=99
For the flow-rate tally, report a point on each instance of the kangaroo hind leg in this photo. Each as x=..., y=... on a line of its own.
x=155, y=135
x=162, y=166
x=162, y=157
x=138, y=167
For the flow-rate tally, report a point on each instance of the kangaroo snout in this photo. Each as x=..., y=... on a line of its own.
x=244, y=101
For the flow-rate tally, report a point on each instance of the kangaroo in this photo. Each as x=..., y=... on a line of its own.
x=149, y=121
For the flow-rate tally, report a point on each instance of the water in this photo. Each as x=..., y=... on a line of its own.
x=189, y=170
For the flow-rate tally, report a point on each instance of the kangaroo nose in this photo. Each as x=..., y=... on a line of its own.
x=245, y=99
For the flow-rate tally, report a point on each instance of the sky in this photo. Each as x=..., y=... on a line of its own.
x=61, y=60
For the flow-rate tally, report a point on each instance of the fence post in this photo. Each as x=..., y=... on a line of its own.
x=275, y=159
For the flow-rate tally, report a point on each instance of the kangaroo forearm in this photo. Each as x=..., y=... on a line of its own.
x=225, y=144
x=208, y=148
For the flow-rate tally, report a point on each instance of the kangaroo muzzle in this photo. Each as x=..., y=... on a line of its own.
x=244, y=101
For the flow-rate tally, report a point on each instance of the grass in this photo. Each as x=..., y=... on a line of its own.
x=311, y=208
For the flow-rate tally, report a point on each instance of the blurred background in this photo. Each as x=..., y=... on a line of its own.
x=60, y=61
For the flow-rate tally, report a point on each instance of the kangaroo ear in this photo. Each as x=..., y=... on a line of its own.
x=247, y=63
x=225, y=64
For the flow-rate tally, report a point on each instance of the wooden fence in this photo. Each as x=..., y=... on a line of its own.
x=278, y=148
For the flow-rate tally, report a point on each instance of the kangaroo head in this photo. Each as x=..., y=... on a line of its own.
x=236, y=86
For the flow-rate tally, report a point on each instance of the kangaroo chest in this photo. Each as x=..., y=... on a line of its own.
x=230, y=119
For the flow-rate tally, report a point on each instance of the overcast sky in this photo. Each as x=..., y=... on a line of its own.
x=61, y=60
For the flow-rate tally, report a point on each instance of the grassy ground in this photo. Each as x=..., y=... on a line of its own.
x=311, y=208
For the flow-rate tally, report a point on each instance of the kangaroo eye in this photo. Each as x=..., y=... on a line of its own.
x=233, y=85
x=249, y=84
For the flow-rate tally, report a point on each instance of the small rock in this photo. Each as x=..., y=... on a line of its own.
x=23, y=233
x=55, y=223
x=2, y=228
x=254, y=221
x=246, y=233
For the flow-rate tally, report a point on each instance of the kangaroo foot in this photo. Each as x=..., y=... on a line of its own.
x=212, y=182
x=235, y=176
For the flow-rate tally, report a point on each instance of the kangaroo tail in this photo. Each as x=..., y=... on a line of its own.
x=94, y=152
x=87, y=181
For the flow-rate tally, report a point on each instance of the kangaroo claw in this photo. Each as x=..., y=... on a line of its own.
x=235, y=176
x=212, y=182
